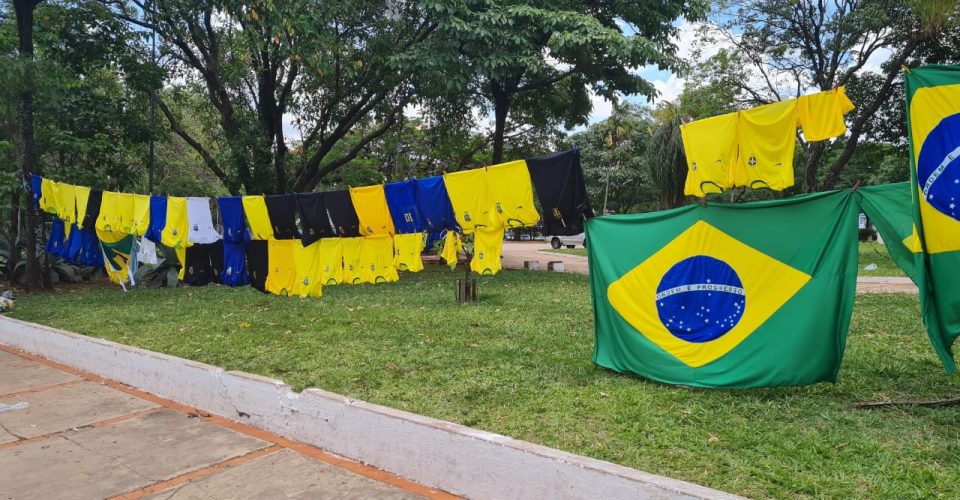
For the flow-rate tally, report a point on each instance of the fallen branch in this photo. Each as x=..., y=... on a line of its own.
x=895, y=404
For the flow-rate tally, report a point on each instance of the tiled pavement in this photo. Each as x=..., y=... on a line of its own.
x=68, y=434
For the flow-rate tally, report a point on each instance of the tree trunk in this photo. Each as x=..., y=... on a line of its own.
x=857, y=129
x=814, y=154
x=32, y=279
x=501, y=106
x=14, y=232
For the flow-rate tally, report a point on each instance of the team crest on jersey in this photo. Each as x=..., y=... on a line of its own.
x=230, y=271
x=499, y=208
x=466, y=216
x=196, y=227
x=752, y=161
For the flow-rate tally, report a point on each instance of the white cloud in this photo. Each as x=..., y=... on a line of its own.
x=601, y=108
x=875, y=60
x=669, y=89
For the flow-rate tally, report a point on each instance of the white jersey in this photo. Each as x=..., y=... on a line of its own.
x=147, y=254
x=201, y=221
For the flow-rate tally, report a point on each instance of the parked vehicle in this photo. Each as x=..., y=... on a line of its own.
x=569, y=241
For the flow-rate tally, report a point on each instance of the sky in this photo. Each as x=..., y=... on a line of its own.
x=669, y=84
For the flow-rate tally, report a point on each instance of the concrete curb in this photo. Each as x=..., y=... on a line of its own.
x=438, y=454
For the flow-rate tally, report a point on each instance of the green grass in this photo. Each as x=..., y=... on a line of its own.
x=570, y=251
x=870, y=253
x=519, y=363
x=876, y=253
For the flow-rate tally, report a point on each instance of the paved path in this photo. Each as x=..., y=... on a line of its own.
x=515, y=253
x=69, y=434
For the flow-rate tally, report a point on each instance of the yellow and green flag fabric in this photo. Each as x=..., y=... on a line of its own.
x=727, y=295
x=933, y=123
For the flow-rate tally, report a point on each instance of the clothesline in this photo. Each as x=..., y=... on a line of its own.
x=293, y=244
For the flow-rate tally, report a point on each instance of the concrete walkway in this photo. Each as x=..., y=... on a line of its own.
x=515, y=253
x=69, y=434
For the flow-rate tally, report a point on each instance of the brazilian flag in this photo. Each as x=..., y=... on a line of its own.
x=119, y=255
x=933, y=122
x=726, y=295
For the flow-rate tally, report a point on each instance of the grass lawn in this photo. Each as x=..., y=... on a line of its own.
x=876, y=253
x=870, y=253
x=518, y=363
x=570, y=251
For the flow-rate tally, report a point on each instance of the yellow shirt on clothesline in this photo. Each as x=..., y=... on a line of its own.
x=109, y=218
x=308, y=280
x=82, y=195
x=407, y=250
x=49, y=195
x=469, y=192
x=330, y=254
x=512, y=193
x=255, y=210
x=767, y=143
x=487, y=248
x=352, y=272
x=711, y=150
x=281, y=274
x=452, y=245
x=372, y=210
x=821, y=114
x=756, y=146
x=376, y=260
x=141, y=214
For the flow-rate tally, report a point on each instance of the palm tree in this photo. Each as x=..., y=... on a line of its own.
x=667, y=161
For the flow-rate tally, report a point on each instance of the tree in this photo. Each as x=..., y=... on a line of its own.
x=539, y=62
x=27, y=150
x=614, y=157
x=666, y=159
x=784, y=48
x=324, y=67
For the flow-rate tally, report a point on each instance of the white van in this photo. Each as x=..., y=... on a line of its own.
x=569, y=241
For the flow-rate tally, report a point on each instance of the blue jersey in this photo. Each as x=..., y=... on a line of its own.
x=402, y=201
x=234, y=269
x=36, y=182
x=158, y=218
x=90, y=253
x=55, y=244
x=234, y=223
x=73, y=245
x=434, y=204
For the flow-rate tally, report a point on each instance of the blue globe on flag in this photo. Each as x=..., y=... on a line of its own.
x=700, y=299
x=938, y=167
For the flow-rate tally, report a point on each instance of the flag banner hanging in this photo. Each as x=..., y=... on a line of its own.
x=727, y=295
x=933, y=123
x=119, y=256
x=890, y=209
